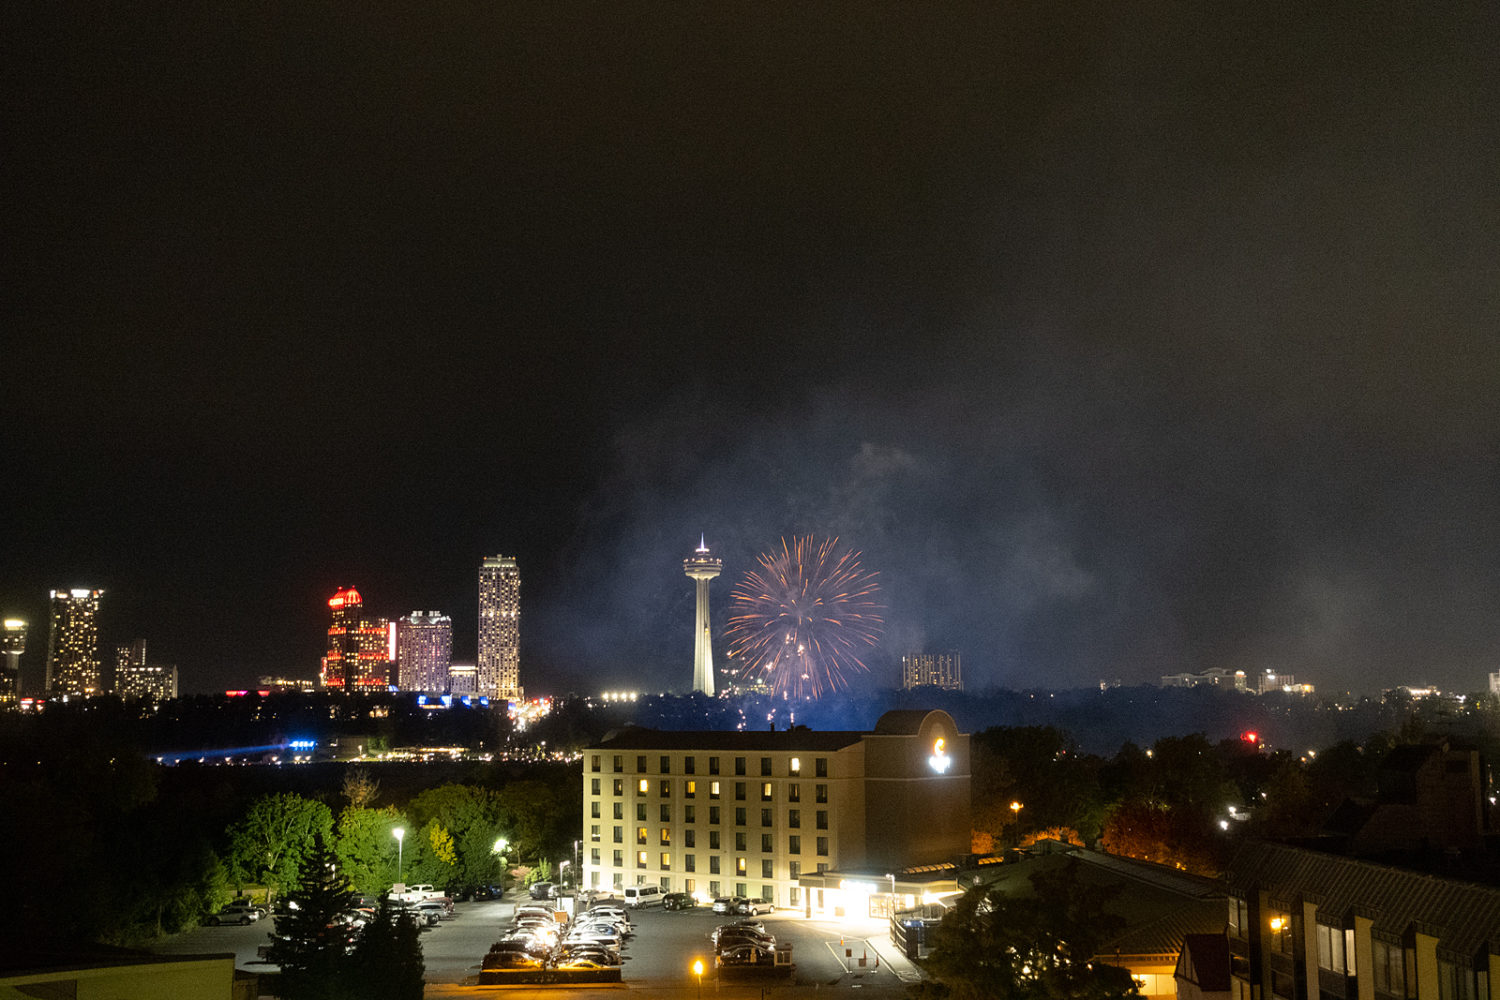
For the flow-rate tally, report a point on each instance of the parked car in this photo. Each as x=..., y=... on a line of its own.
x=543, y=890
x=511, y=958
x=723, y=937
x=728, y=904
x=235, y=913
x=752, y=907
x=747, y=954
x=678, y=901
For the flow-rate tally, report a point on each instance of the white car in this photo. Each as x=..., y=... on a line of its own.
x=235, y=913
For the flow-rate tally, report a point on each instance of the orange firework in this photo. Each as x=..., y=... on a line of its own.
x=801, y=620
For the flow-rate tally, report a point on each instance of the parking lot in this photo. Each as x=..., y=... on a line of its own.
x=659, y=958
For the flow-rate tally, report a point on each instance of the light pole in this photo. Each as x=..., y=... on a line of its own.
x=698, y=971
x=400, y=835
x=500, y=845
x=893, y=892
x=1015, y=808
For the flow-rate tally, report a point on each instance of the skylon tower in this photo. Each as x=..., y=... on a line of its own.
x=702, y=567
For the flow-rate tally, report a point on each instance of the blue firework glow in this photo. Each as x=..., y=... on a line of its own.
x=801, y=621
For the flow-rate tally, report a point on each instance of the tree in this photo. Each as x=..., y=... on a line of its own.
x=995, y=946
x=311, y=941
x=276, y=833
x=360, y=789
x=471, y=816
x=387, y=962
x=367, y=848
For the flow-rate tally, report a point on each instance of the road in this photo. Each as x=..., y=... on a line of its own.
x=658, y=959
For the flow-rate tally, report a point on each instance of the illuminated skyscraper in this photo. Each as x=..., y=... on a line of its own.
x=12, y=645
x=156, y=682
x=133, y=655
x=943, y=670
x=424, y=647
x=702, y=568
x=499, y=666
x=360, y=650
x=73, y=644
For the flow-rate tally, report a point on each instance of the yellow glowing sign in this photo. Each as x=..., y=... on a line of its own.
x=939, y=760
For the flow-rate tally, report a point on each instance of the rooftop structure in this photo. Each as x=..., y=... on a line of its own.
x=701, y=567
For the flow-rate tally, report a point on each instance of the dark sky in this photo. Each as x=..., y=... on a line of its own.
x=1123, y=339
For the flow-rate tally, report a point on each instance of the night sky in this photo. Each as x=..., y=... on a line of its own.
x=1123, y=339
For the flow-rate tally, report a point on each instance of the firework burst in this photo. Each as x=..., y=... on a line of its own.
x=801, y=620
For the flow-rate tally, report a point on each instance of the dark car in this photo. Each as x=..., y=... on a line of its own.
x=678, y=901
x=543, y=890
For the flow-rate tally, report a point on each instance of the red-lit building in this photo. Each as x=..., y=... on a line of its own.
x=360, y=650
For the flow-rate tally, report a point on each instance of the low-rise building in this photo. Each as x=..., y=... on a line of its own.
x=816, y=821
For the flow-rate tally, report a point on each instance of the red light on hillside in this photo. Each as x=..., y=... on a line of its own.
x=1251, y=737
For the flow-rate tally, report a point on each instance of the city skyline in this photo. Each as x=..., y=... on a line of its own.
x=1123, y=342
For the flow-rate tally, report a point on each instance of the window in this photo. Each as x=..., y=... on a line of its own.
x=619, y=835
x=690, y=765
x=1390, y=967
x=666, y=861
x=619, y=880
x=740, y=889
x=640, y=859
x=640, y=812
x=765, y=869
x=739, y=765
x=765, y=767
x=666, y=837
x=794, y=818
x=666, y=764
x=713, y=815
x=593, y=786
x=619, y=810
x=765, y=844
x=690, y=790
x=593, y=810
x=713, y=768
x=1331, y=948
x=689, y=838
x=822, y=847
x=619, y=859
x=796, y=766
x=1239, y=917
x=1281, y=932
x=688, y=884
x=794, y=870
x=765, y=817
x=765, y=791
x=594, y=763
x=713, y=840
x=715, y=888
x=822, y=819
x=619, y=788
x=739, y=867
x=713, y=864
x=794, y=844
x=739, y=842
x=739, y=791
x=822, y=867
x=796, y=896
x=644, y=786
x=739, y=816
x=690, y=863
x=689, y=814
x=713, y=789
x=594, y=856
x=640, y=835
x=820, y=766
x=666, y=814
x=820, y=793
x=794, y=792
x=1455, y=981
x=640, y=764
x=664, y=789
x=594, y=832
x=619, y=764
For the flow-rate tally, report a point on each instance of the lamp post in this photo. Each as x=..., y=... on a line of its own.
x=500, y=845
x=400, y=835
x=893, y=892
x=1015, y=809
x=698, y=971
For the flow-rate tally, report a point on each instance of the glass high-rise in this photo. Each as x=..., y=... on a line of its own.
x=499, y=666
x=73, y=667
x=424, y=649
x=360, y=650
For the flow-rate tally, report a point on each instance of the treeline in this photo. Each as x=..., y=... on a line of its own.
x=106, y=847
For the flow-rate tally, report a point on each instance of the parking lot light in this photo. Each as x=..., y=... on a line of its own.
x=698, y=971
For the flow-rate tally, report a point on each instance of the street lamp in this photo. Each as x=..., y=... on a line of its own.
x=893, y=892
x=698, y=971
x=400, y=835
x=500, y=845
x=1015, y=809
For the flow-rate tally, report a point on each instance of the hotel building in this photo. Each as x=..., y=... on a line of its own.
x=73, y=666
x=12, y=647
x=499, y=662
x=360, y=651
x=821, y=822
x=424, y=648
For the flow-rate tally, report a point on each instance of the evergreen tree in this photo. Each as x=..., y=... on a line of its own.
x=388, y=959
x=312, y=939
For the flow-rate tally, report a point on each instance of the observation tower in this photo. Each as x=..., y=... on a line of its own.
x=702, y=567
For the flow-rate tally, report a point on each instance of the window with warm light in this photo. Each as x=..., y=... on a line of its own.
x=640, y=859
x=644, y=786
x=796, y=765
